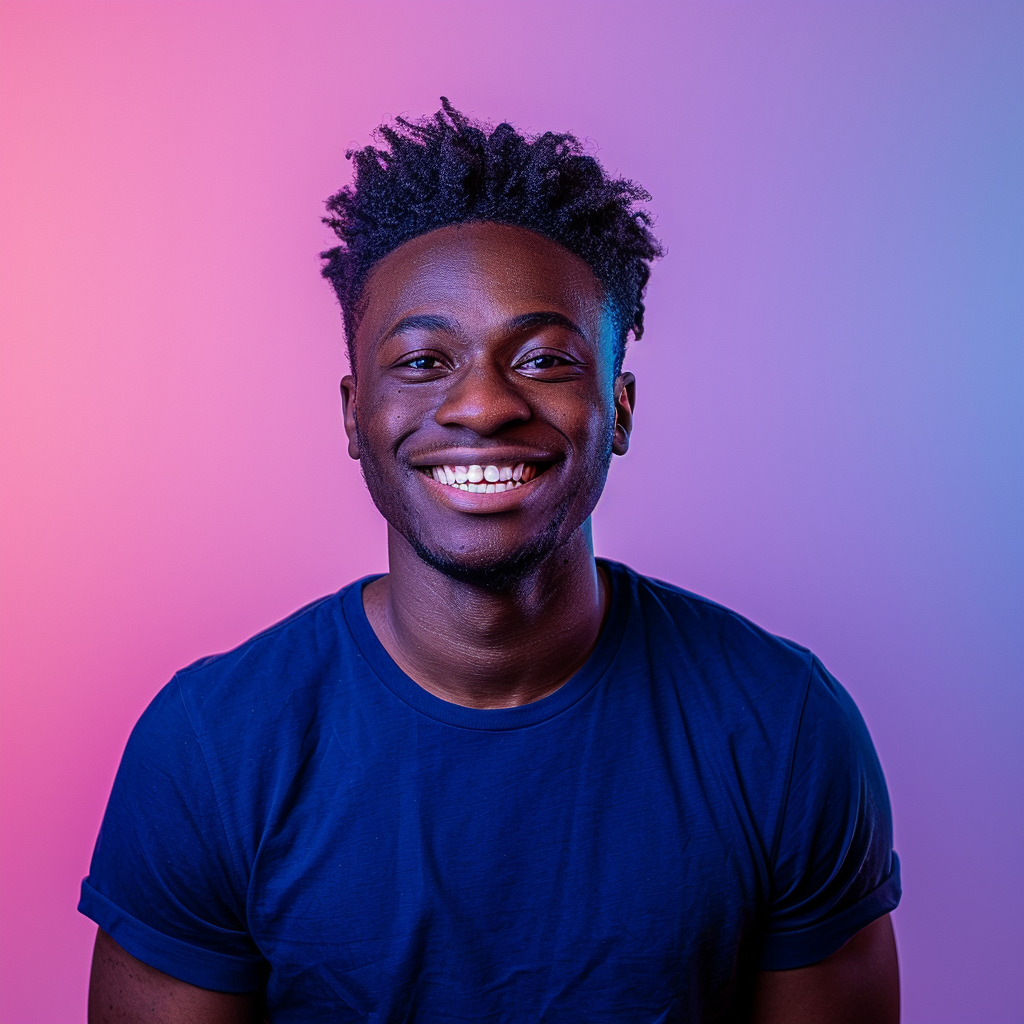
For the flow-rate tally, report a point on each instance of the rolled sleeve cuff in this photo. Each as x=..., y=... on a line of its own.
x=788, y=950
x=204, y=968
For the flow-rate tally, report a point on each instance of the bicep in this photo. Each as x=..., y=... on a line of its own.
x=124, y=990
x=858, y=984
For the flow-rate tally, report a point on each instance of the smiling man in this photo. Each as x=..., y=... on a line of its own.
x=504, y=781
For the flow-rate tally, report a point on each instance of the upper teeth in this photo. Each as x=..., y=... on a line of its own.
x=484, y=479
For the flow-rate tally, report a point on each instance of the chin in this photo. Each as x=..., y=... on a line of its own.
x=482, y=569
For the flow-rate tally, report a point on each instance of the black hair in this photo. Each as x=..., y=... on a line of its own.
x=447, y=169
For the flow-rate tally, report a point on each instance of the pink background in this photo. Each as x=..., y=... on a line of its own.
x=828, y=434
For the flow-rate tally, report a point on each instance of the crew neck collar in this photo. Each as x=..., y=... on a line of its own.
x=491, y=719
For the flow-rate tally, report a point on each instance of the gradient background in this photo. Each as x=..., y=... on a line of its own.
x=828, y=437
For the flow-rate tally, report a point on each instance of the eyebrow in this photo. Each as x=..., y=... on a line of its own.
x=544, y=319
x=423, y=322
x=526, y=321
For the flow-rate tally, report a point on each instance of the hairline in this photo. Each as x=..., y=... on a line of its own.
x=609, y=308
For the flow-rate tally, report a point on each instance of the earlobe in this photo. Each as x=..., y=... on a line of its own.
x=625, y=402
x=348, y=413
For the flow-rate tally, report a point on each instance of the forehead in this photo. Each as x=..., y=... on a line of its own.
x=481, y=274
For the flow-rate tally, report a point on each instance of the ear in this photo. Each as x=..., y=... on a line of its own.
x=625, y=403
x=348, y=413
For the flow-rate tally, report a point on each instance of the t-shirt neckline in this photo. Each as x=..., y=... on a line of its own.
x=491, y=719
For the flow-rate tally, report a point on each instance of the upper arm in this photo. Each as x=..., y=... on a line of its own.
x=124, y=990
x=858, y=984
x=833, y=869
x=167, y=881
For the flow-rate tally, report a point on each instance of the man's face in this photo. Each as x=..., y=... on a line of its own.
x=487, y=409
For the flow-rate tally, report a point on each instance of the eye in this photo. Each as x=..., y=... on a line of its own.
x=543, y=362
x=420, y=366
x=423, y=363
x=548, y=366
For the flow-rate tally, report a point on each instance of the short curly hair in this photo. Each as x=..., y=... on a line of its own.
x=448, y=169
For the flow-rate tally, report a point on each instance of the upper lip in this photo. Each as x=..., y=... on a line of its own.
x=479, y=457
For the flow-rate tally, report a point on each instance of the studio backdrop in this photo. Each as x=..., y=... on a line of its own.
x=828, y=433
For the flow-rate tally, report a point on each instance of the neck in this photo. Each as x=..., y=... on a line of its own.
x=489, y=648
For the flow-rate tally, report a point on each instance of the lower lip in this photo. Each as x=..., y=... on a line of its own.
x=474, y=501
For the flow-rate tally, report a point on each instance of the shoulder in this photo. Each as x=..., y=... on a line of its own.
x=715, y=646
x=238, y=725
x=279, y=670
x=769, y=709
x=743, y=682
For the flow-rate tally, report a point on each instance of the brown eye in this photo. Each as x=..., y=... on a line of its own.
x=543, y=362
x=424, y=363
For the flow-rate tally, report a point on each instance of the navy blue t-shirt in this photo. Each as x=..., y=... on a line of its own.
x=700, y=801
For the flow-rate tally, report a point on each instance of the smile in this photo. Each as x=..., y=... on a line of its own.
x=484, y=479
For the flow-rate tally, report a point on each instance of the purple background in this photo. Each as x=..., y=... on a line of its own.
x=829, y=425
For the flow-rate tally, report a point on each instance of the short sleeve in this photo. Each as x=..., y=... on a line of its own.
x=162, y=882
x=834, y=869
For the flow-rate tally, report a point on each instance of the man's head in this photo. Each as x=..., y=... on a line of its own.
x=481, y=339
x=449, y=170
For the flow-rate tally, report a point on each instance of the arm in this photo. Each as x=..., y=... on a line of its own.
x=165, y=885
x=858, y=984
x=123, y=990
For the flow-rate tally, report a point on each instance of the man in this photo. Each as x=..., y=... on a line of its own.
x=505, y=781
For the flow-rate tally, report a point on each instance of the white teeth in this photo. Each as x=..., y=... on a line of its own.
x=483, y=479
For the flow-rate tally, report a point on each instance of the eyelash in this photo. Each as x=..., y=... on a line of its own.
x=556, y=361
x=420, y=359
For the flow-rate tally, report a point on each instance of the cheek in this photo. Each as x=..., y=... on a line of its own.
x=589, y=424
x=386, y=418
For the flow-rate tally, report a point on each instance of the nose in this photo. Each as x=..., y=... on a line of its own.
x=484, y=400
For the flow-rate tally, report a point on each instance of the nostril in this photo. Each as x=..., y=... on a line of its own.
x=484, y=408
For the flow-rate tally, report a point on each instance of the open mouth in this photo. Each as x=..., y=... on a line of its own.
x=492, y=479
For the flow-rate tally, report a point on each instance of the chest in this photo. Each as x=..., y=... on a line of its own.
x=457, y=863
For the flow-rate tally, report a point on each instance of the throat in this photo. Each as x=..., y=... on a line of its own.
x=482, y=650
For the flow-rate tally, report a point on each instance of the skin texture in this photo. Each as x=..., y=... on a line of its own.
x=478, y=344
x=518, y=365
x=123, y=990
x=858, y=984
